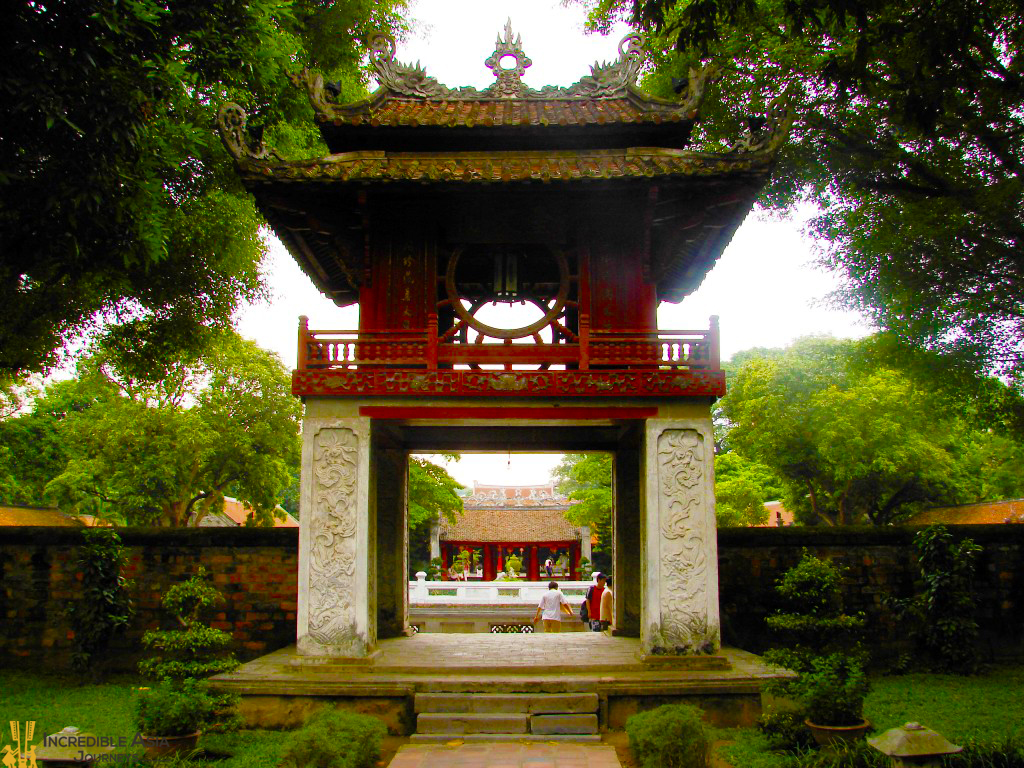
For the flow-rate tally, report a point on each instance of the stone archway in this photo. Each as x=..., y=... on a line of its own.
x=353, y=538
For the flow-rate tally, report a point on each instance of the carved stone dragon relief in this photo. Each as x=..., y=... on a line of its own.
x=683, y=556
x=333, y=546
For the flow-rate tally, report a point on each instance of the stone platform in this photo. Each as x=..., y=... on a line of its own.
x=282, y=688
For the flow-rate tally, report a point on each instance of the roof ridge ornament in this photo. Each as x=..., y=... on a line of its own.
x=510, y=84
x=606, y=80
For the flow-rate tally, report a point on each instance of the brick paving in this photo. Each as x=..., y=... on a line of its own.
x=506, y=755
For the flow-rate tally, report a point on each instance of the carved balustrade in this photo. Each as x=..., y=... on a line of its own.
x=658, y=350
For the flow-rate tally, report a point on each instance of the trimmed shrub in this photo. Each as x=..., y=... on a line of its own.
x=671, y=736
x=334, y=738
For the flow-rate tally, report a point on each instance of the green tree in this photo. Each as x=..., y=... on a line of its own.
x=32, y=451
x=742, y=487
x=117, y=200
x=432, y=496
x=852, y=440
x=166, y=449
x=586, y=479
x=909, y=139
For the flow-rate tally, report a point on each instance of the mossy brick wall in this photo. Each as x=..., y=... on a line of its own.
x=255, y=569
x=877, y=563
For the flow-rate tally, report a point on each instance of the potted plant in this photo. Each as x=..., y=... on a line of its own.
x=832, y=692
x=168, y=717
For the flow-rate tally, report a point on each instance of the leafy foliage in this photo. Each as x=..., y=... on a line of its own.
x=195, y=650
x=586, y=479
x=671, y=736
x=909, y=139
x=742, y=487
x=334, y=738
x=164, y=445
x=117, y=201
x=811, y=623
x=174, y=709
x=942, y=617
x=854, y=440
x=104, y=607
x=432, y=496
x=833, y=690
x=819, y=643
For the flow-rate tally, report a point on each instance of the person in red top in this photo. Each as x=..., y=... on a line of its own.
x=594, y=602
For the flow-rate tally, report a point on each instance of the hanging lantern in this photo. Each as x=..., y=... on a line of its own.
x=914, y=745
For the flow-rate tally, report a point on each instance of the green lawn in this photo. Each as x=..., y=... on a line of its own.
x=57, y=701
x=981, y=708
x=984, y=709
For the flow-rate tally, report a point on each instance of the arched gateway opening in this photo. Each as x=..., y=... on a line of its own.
x=585, y=204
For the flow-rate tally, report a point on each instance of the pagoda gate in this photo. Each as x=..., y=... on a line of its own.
x=586, y=206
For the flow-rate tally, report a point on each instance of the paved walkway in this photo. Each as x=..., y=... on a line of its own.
x=506, y=755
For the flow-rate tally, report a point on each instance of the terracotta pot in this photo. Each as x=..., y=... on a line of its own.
x=168, y=746
x=830, y=736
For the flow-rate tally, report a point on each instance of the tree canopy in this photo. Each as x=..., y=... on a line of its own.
x=432, y=497
x=854, y=440
x=117, y=200
x=909, y=139
x=167, y=449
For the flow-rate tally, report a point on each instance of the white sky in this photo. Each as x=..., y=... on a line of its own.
x=763, y=288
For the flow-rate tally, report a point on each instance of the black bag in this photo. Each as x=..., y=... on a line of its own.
x=585, y=607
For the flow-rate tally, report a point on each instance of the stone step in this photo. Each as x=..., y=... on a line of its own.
x=564, y=725
x=532, y=703
x=443, y=738
x=457, y=724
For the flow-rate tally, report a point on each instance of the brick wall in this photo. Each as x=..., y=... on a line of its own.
x=256, y=569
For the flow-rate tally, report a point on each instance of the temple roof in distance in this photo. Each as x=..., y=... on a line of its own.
x=512, y=515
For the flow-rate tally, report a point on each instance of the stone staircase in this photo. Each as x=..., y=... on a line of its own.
x=467, y=716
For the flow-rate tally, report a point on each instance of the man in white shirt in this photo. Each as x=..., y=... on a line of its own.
x=551, y=607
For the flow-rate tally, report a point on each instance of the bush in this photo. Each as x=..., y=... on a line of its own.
x=105, y=607
x=173, y=709
x=785, y=731
x=333, y=738
x=195, y=650
x=942, y=617
x=671, y=736
x=833, y=690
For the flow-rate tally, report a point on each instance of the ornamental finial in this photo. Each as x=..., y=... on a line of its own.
x=510, y=84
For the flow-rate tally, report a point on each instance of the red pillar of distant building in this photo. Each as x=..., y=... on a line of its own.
x=533, y=574
x=489, y=573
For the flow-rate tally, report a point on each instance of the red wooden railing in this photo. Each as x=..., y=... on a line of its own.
x=423, y=350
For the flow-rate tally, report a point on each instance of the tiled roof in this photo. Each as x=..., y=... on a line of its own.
x=35, y=516
x=395, y=111
x=485, y=167
x=983, y=513
x=235, y=513
x=511, y=525
x=513, y=514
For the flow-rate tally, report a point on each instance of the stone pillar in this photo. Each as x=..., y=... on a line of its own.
x=337, y=612
x=627, y=550
x=435, y=539
x=390, y=473
x=585, y=548
x=680, y=588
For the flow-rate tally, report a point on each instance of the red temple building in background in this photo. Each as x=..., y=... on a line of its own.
x=585, y=206
x=525, y=521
